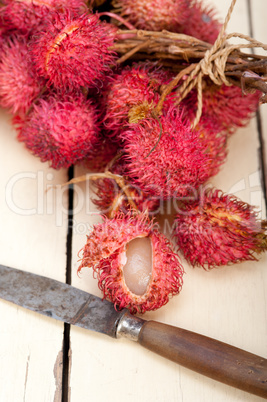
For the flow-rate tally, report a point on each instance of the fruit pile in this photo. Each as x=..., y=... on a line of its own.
x=74, y=101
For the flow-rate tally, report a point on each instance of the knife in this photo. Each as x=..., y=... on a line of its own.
x=210, y=357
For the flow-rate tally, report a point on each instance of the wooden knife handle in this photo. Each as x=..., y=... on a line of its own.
x=215, y=359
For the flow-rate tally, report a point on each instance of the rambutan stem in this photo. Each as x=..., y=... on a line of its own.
x=106, y=175
x=36, y=99
x=118, y=18
x=160, y=133
x=172, y=47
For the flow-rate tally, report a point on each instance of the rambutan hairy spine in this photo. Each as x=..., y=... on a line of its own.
x=73, y=52
x=219, y=229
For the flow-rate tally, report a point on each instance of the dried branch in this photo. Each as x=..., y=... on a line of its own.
x=179, y=51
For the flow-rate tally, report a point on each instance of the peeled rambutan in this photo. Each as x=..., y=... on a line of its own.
x=26, y=16
x=202, y=22
x=164, y=156
x=62, y=131
x=135, y=264
x=18, y=83
x=154, y=15
x=73, y=52
x=219, y=229
x=132, y=93
x=228, y=106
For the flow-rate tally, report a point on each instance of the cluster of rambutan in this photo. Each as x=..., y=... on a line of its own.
x=72, y=103
x=53, y=53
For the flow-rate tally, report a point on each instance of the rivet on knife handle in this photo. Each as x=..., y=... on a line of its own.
x=207, y=356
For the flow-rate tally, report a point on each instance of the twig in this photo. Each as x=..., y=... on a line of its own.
x=133, y=51
x=106, y=175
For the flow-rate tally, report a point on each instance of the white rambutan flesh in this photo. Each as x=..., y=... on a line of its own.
x=138, y=265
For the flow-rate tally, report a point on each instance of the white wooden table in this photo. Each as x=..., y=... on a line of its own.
x=229, y=304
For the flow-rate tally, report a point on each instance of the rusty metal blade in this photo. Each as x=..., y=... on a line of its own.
x=58, y=300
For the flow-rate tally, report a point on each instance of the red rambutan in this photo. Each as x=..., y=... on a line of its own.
x=26, y=16
x=202, y=22
x=62, y=131
x=135, y=86
x=164, y=156
x=154, y=15
x=73, y=52
x=135, y=264
x=226, y=105
x=219, y=229
x=18, y=83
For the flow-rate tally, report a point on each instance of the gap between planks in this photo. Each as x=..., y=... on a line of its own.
x=66, y=335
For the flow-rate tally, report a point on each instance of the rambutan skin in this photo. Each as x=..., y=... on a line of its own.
x=62, y=131
x=2, y=41
x=154, y=15
x=202, y=22
x=103, y=252
x=166, y=157
x=73, y=52
x=131, y=86
x=19, y=85
x=214, y=140
x=26, y=16
x=228, y=106
x=219, y=229
x=211, y=134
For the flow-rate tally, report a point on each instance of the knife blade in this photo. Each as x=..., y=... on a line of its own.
x=207, y=356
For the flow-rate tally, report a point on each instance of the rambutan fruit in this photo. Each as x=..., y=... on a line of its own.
x=228, y=106
x=18, y=83
x=164, y=156
x=62, y=130
x=202, y=22
x=154, y=15
x=219, y=229
x=135, y=264
x=26, y=16
x=132, y=93
x=73, y=52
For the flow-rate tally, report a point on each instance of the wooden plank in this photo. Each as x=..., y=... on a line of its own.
x=228, y=303
x=259, y=32
x=32, y=238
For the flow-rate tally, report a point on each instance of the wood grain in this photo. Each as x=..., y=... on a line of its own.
x=209, y=357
